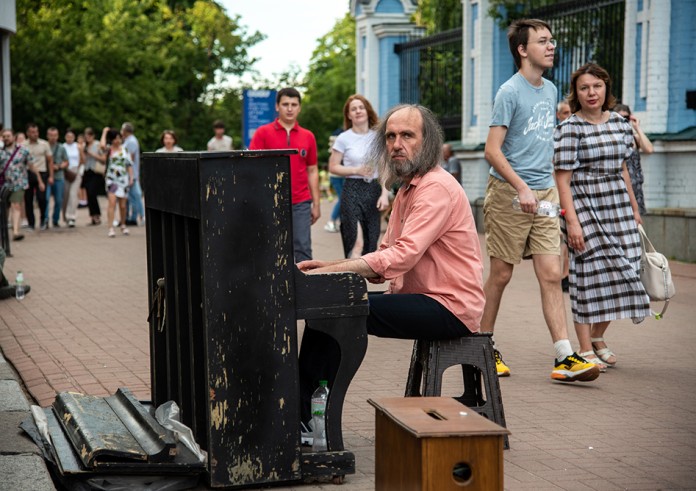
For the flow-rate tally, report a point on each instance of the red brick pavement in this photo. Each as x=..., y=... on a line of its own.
x=83, y=328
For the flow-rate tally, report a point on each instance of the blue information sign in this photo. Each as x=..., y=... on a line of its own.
x=259, y=109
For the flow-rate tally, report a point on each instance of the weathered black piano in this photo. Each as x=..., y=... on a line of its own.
x=225, y=298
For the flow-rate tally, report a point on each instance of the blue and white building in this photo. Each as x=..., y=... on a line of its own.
x=381, y=25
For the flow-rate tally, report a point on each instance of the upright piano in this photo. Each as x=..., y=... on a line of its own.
x=225, y=297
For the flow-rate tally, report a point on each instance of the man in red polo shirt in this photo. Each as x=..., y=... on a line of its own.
x=284, y=132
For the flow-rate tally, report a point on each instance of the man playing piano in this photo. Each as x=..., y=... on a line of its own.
x=430, y=252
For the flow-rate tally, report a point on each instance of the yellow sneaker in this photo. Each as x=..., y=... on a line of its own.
x=574, y=367
x=500, y=366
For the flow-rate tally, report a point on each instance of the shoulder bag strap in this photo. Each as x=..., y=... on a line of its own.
x=645, y=243
x=9, y=161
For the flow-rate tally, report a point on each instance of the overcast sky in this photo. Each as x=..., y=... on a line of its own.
x=291, y=28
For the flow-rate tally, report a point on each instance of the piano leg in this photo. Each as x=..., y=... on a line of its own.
x=335, y=348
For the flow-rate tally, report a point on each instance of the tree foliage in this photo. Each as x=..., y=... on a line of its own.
x=155, y=63
x=506, y=11
x=328, y=83
x=439, y=15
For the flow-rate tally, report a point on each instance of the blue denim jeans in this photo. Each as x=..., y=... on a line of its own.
x=134, y=205
x=302, y=230
x=56, y=190
x=337, y=184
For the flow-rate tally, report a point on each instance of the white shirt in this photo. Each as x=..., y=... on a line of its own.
x=224, y=143
x=355, y=147
x=175, y=148
x=73, y=155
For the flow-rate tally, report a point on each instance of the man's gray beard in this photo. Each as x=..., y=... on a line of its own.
x=406, y=168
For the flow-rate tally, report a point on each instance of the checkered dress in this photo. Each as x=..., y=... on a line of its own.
x=604, y=279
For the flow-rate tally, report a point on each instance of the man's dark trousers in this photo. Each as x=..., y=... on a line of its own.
x=29, y=194
x=401, y=316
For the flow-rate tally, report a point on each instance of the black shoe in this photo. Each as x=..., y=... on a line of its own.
x=132, y=223
x=56, y=225
x=18, y=237
x=9, y=291
x=565, y=284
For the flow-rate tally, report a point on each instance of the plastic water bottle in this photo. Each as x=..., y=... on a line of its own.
x=319, y=399
x=545, y=208
x=19, y=286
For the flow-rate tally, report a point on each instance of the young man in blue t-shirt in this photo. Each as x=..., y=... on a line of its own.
x=519, y=149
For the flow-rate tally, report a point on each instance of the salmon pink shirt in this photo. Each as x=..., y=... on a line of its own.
x=431, y=247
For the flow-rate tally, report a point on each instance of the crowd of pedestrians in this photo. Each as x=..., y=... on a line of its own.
x=60, y=177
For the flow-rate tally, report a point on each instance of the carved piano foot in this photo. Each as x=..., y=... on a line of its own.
x=327, y=466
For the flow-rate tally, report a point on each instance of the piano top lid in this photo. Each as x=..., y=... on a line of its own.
x=217, y=155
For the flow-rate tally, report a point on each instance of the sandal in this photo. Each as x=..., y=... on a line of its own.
x=112, y=233
x=605, y=354
x=125, y=231
x=590, y=357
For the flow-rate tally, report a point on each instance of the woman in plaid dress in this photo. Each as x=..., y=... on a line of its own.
x=601, y=213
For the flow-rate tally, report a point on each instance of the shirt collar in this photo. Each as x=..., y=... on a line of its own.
x=414, y=182
x=279, y=126
x=417, y=179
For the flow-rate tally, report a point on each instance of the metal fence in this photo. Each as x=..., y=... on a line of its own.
x=588, y=30
x=431, y=75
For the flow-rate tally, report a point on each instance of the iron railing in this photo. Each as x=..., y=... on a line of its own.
x=431, y=75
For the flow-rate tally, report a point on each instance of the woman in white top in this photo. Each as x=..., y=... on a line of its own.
x=168, y=141
x=363, y=197
x=75, y=161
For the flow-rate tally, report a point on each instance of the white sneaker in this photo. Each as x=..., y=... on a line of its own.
x=331, y=227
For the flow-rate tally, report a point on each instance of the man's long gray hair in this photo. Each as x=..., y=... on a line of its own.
x=427, y=157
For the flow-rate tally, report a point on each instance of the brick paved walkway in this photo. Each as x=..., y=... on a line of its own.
x=83, y=328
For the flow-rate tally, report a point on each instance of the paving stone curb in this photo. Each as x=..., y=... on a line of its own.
x=21, y=465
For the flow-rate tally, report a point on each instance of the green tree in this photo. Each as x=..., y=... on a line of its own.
x=439, y=15
x=102, y=62
x=505, y=11
x=329, y=81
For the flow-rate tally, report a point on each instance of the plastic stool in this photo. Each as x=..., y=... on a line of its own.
x=474, y=353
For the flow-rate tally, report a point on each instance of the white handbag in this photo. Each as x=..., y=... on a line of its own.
x=655, y=273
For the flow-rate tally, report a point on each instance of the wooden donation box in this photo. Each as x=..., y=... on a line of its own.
x=435, y=444
x=225, y=297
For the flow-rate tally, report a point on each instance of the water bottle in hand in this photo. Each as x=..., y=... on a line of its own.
x=19, y=286
x=544, y=208
x=319, y=399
